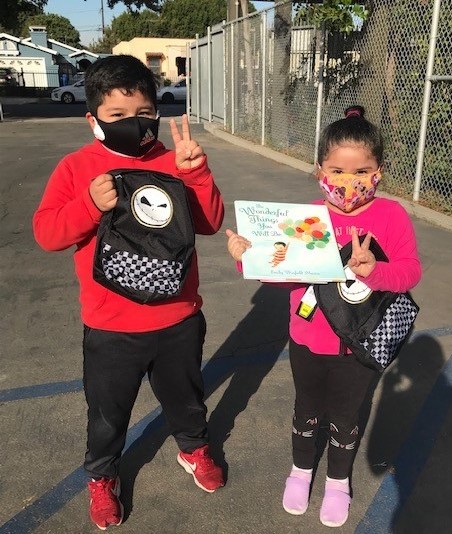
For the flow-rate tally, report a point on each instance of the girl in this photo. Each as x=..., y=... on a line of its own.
x=350, y=152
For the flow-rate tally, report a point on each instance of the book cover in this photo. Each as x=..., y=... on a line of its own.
x=290, y=242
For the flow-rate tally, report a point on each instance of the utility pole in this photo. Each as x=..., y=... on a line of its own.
x=102, y=15
x=233, y=8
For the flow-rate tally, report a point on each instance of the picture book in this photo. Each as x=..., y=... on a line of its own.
x=290, y=242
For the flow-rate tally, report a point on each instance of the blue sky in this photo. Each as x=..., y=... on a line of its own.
x=85, y=16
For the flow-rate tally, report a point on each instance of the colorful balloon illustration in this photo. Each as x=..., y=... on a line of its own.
x=311, y=231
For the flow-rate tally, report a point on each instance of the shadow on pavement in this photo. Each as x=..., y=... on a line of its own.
x=415, y=400
x=247, y=366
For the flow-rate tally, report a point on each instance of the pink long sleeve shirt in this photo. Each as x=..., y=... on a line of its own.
x=390, y=224
x=388, y=221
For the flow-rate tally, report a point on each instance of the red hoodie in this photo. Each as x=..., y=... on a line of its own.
x=67, y=216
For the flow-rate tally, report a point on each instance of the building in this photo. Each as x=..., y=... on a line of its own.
x=165, y=57
x=38, y=61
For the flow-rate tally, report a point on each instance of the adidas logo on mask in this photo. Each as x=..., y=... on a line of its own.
x=148, y=137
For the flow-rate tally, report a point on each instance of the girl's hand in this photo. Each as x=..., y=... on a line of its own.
x=237, y=245
x=188, y=153
x=362, y=261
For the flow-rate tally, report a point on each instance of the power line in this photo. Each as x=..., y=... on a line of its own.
x=102, y=15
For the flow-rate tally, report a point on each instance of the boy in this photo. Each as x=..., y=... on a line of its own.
x=124, y=340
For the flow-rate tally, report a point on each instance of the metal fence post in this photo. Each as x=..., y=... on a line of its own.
x=209, y=71
x=188, y=77
x=264, y=75
x=426, y=101
x=232, y=69
x=224, y=76
x=198, y=84
x=318, y=118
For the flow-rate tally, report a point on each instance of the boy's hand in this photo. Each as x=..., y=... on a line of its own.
x=103, y=192
x=188, y=153
x=362, y=261
x=237, y=244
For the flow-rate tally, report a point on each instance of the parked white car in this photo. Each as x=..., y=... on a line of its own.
x=172, y=93
x=70, y=93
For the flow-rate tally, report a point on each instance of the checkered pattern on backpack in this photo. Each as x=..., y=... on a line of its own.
x=383, y=343
x=142, y=273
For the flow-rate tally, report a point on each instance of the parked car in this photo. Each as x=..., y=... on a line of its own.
x=78, y=76
x=70, y=93
x=172, y=93
x=8, y=77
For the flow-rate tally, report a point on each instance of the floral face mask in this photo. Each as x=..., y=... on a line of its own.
x=348, y=191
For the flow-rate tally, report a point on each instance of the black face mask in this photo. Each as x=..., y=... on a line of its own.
x=133, y=136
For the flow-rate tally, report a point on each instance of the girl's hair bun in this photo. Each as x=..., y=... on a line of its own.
x=354, y=111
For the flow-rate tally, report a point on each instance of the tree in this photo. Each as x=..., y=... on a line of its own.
x=177, y=18
x=58, y=28
x=14, y=12
x=137, y=24
x=127, y=26
x=335, y=21
x=153, y=5
x=105, y=44
x=334, y=15
x=185, y=18
x=289, y=89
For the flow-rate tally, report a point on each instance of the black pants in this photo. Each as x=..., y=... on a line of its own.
x=334, y=386
x=114, y=366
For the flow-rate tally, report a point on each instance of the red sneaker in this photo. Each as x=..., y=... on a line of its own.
x=206, y=474
x=105, y=508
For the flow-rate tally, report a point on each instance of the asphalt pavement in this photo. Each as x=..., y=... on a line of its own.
x=401, y=479
x=34, y=108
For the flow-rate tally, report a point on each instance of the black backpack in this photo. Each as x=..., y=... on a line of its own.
x=373, y=324
x=145, y=244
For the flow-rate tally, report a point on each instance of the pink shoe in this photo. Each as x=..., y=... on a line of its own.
x=296, y=493
x=335, y=505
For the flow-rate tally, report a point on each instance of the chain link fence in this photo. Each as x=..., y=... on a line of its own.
x=285, y=82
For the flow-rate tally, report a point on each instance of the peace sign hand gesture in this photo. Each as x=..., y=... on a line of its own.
x=188, y=153
x=362, y=261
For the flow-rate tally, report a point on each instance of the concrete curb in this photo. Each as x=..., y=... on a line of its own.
x=265, y=151
x=416, y=210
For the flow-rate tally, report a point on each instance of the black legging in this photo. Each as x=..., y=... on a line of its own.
x=329, y=385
